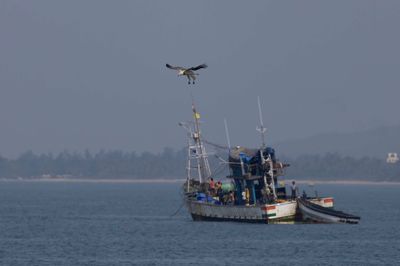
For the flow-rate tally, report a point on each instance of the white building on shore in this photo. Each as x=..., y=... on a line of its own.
x=392, y=157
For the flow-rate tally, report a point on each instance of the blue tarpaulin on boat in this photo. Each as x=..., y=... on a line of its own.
x=250, y=158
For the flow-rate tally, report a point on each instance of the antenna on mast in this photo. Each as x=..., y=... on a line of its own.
x=261, y=128
x=227, y=134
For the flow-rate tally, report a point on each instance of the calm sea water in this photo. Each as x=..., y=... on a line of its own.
x=60, y=223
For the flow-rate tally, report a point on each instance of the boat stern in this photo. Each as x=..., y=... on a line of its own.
x=278, y=212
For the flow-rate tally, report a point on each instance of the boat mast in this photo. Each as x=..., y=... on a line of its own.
x=188, y=166
x=261, y=128
x=262, y=131
x=227, y=134
x=271, y=174
x=203, y=166
x=196, y=149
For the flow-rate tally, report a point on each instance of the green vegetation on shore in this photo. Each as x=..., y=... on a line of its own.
x=333, y=166
x=171, y=164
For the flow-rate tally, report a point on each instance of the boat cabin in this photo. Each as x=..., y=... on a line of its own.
x=255, y=174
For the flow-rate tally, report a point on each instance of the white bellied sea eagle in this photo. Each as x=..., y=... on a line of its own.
x=188, y=72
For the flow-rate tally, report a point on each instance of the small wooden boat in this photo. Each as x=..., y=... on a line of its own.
x=316, y=213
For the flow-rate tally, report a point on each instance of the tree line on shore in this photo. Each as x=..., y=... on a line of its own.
x=171, y=164
x=333, y=166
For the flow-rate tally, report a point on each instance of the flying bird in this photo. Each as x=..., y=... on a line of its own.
x=188, y=72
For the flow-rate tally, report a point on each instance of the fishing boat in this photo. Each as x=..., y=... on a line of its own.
x=252, y=191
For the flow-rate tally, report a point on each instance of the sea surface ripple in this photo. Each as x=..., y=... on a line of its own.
x=67, y=223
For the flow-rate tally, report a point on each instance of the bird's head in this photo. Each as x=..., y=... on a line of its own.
x=181, y=72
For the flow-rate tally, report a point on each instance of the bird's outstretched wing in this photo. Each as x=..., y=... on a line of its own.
x=174, y=67
x=199, y=67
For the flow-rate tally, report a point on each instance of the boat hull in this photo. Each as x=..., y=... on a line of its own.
x=207, y=208
x=266, y=213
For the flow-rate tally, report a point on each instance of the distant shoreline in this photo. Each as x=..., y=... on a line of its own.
x=346, y=182
x=90, y=180
x=182, y=180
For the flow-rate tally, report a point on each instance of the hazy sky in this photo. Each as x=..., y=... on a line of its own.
x=91, y=74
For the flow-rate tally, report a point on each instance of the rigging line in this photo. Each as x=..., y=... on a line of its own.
x=223, y=147
x=218, y=171
x=176, y=212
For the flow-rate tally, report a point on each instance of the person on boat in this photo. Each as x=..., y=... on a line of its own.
x=218, y=186
x=247, y=195
x=293, y=187
x=220, y=193
x=211, y=186
x=225, y=198
x=264, y=195
x=231, y=198
x=270, y=195
x=304, y=196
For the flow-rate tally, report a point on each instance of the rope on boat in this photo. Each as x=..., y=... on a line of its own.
x=176, y=212
x=219, y=146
